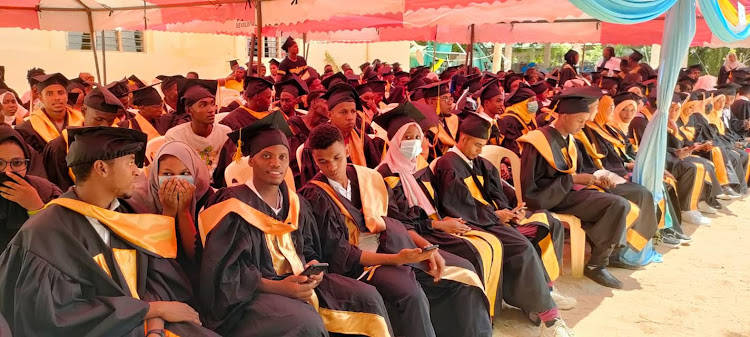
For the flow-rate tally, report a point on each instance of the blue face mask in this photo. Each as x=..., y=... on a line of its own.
x=532, y=106
x=190, y=179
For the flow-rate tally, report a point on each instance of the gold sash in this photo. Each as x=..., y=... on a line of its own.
x=256, y=114
x=146, y=127
x=356, y=149
x=538, y=140
x=47, y=129
x=590, y=149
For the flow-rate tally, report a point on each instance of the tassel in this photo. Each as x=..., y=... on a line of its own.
x=238, y=154
x=437, y=109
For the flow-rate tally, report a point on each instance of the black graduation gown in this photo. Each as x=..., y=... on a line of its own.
x=301, y=132
x=31, y=137
x=733, y=167
x=52, y=284
x=170, y=120
x=525, y=279
x=132, y=123
x=12, y=215
x=239, y=118
x=510, y=128
x=544, y=119
x=57, y=168
x=372, y=148
x=603, y=215
x=637, y=128
x=566, y=74
x=416, y=304
x=690, y=193
x=235, y=259
x=740, y=112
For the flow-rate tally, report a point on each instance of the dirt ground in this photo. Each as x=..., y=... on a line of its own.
x=699, y=290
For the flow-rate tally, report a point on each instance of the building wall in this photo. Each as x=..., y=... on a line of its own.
x=164, y=53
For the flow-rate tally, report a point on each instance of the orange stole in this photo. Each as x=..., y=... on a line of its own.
x=356, y=149
x=67, y=148
x=146, y=127
x=256, y=114
x=590, y=149
x=47, y=129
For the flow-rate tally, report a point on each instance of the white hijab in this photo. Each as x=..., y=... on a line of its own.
x=728, y=65
x=20, y=112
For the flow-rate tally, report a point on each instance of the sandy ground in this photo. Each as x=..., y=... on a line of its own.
x=699, y=290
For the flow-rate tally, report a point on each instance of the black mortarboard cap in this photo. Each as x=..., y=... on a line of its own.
x=119, y=88
x=342, y=92
x=89, y=144
x=577, y=100
x=625, y=96
x=489, y=90
x=435, y=89
x=100, y=98
x=352, y=80
x=169, y=81
x=448, y=73
x=636, y=55
x=678, y=98
x=43, y=81
x=473, y=83
x=288, y=43
x=255, y=85
x=146, y=96
x=363, y=88
x=608, y=81
x=137, y=81
x=233, y=63
x=509, y=79
x=400, y=74
x=522, y=93
x=695, y=66
x=397, y=117
x=292, y=85
x=338, y=77
x=364, y=66
x=268, y=131
x=539, y=87
x=369, y=75
x=414, y=83
x=377, y=86
x=729, y=89
x=77, y=83
x=475, y=126
x=72, y=97
x=190, y=91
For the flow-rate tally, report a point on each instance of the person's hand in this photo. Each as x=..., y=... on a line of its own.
x=437, y=266
x=586, y=179
x=630, y=166
x=520, y=212
x=683, y=152
x=413, y=255
x=669, y=175
x=451, y=225
x=185, y=193
x=168, y=196
x=174, y=312
x=505, y=215
x=314, y=279
x=298, y=287
x=604, y=182
x=21, y=192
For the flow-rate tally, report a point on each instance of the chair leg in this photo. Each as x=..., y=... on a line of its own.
x=577, y=247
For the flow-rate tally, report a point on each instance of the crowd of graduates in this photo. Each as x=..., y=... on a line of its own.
x=306, y=203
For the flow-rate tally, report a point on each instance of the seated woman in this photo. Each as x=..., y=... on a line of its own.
x=21, y=194
x=177, y=185
x=13, y=113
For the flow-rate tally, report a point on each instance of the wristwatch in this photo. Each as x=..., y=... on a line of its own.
x=159, y=332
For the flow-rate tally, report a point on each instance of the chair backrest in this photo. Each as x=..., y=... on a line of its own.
x=433, y=163
x=495, y=155
x=238, y=173
x=298, y=155
x=219, y=117
x=153, y=146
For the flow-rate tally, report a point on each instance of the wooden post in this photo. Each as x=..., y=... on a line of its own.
x=250, y=56
x=259, y=33
x=583, y=58
x=434, y=55
x=93, y=42
x=104, y=58
x=470, y=68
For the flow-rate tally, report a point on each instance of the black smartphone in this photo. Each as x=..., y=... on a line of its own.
x=314, y=269
x=429, y=248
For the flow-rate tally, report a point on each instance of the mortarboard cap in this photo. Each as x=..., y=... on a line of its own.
x=254, y=85
x=72, y=97
x=577, y=100
x=233, y=63
x=729, y=89
x=119, y=88
x=340, y=93
x=509, y=79
x=338, y=77
x=400, y=74
x=288, y=43
x=89, y=144
x=539, y=87
x=169, y=81
x=100, y=98
x=607, y=81
x=625, y=96
x=364, y=66
x=268, y=131
x=137, y=81
x=352, y=80
x=292, y=85
x=414, y=83
x=636, y=55
x=146, y=96
x=448, y=73
x=76, y=83
x=490, y=90
x=473, y=83
x=435, y=89
x=695, y=66
x=369, y=75
x=392, y=120
x=475, y=126
x=43, y=81
x=377, y=86
x=191, y=91
x=363, y=88
x=522, y=93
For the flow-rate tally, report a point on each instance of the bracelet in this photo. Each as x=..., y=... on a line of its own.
x=159, y=332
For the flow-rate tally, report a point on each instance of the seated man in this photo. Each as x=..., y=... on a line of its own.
x=257, y=94
x=149, y=105
x=288, y=93
x=471, y=189
x=45, y=124
x=94, y=269
x=423, y=289
x=196, y=98
x=171, y=118
x=100, y=108
x=549, y=159
x=317, y=113
x=257, y=237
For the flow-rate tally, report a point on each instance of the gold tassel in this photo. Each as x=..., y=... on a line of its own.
x=238, y=154
x=437, y=109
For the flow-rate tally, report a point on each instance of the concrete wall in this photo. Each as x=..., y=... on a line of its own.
x=164, y=53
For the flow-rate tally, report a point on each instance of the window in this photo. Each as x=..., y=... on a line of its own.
x=269, y=47
x=114, y=40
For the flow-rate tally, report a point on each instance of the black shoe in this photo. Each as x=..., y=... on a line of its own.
x=615, y=262
x=601, y=275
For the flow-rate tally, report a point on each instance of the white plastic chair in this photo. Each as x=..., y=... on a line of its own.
x=238, y=173
x=153, y=146
x=495, y=155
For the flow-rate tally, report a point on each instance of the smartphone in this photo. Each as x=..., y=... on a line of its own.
x=314, y=269
x=429, y=248
x=189, y=179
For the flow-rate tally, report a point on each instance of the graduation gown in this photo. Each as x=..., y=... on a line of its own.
x=529, y=264
x=550, y=161
x=242, y=117
x=171, y=119
x=237, y=255
x=416, y=304
x=140, y=123
x=38, y=130
x=363, y=151
x=57, y=168
x=301, y=132
x=690, y=191
x=740, y=112
x=512, y=126
x=483, y=250
x=12, y=215
x=727, y=165
x=58, y=277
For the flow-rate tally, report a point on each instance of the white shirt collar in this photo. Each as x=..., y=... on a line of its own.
x=346, y=192
x=99, y=228
x=279, y=206
x=455, y=150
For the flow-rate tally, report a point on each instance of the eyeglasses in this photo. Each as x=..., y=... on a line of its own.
x=446, y=98
x=16, y=164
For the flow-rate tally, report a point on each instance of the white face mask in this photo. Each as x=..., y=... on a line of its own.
x=533, y=106
x=411, y=148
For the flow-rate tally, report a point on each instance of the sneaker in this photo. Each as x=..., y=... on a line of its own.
x=728, y=194
x=695, y=218
x=666, y=239
x=563, y=302
x=559, y=329
x=703, y=207
x=684, y=239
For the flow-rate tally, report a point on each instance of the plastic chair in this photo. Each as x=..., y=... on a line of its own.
x=495, y=155
x=298, y=155
x=238, y=173
x=153, y=146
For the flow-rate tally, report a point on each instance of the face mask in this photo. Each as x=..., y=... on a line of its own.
x=411, y=148
x=187, y=178
x=709, y=108
x=532, y=106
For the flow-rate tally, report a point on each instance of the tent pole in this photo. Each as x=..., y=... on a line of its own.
x=583, y=58
x=304, y=45
x=434, y=55
x=259, y=33
x=104, y=57
x=93, y=44
x=471, y=52
x=251, y=55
